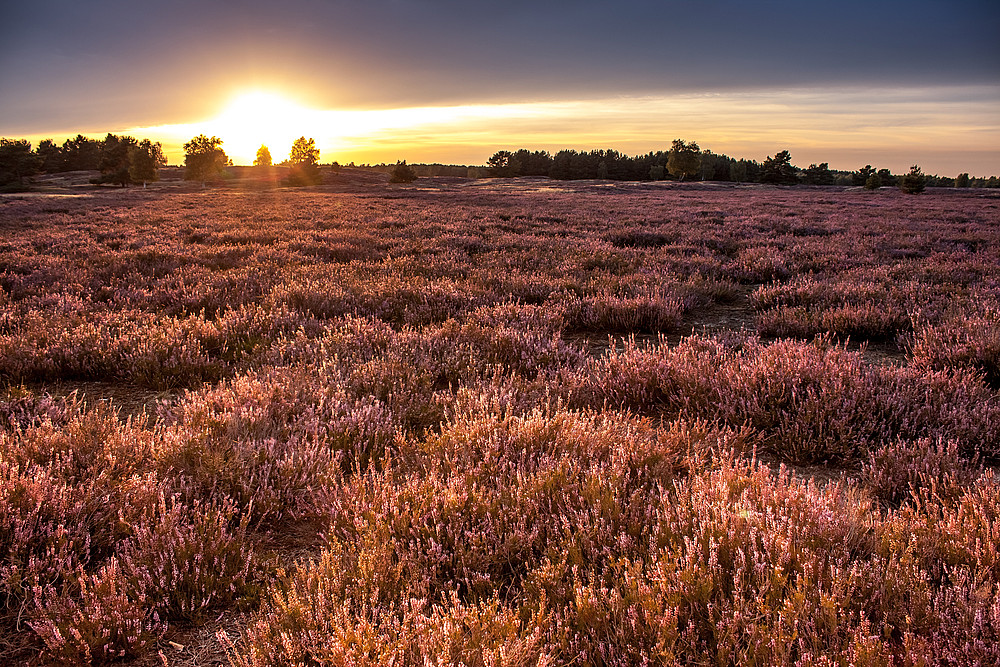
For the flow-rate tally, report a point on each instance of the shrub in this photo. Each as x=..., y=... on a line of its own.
x=403, y=173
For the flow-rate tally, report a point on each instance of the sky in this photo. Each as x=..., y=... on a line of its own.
x=852, y=82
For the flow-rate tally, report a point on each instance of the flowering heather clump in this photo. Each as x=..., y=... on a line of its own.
x=863, y=304
x=110, y=619
x=22, y=408
x=187, y=559
x=970, y=339
x=896, y=471
x=806, y=402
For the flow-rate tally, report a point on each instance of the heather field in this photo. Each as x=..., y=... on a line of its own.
x=498, y=423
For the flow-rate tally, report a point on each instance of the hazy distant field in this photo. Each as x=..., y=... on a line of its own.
x=501, y=423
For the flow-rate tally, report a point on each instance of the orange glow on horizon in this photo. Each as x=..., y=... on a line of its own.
x=936, y=128
x=259, y=118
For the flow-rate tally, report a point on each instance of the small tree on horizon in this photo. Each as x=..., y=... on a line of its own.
x=263, y=158
x=204, y=158
x=303, y=160
x=81, y=154
x=684, y=160
x=779, y=170
x=819, y=174
x=962, y=180
x=403, y=173
x=861, y=176
x=913, y=182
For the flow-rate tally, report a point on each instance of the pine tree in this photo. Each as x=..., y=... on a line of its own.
x=913, y=182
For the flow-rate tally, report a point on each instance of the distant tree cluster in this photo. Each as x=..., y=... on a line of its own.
x=123, y=160
x=686, y=161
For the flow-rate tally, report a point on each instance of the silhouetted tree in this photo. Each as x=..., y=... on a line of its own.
x=17, y=161
x=81, y=154
x=886, y=177
x=913, y=182
x=861, y=176
x=779, y=169
x=685, y=159
x=204, y=158
x=403, y=173
x=873, y=182
x=263, y=158
x=501, y=165
x=532, y=163
x=962, y=180
x=50, y=156
x=739, y=171
x=818, y=174
x=303, y=160
x=116, y=155
x=145, y=159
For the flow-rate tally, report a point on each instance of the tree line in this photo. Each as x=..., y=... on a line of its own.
x=122, y=160
x=686, y=161
x=125, y=160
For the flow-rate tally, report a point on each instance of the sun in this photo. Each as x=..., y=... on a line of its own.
x=257, y=118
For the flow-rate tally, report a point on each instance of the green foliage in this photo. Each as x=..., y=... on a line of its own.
x=913, y=182
x=962, y=181
x=779, y=170
x=504, y=164
x=17, y=161
x=873, y=182
x=739, y=171
x=204, y=158
x=684, y=160
x=403, y=173
x=500, y=165
x=263, y=158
